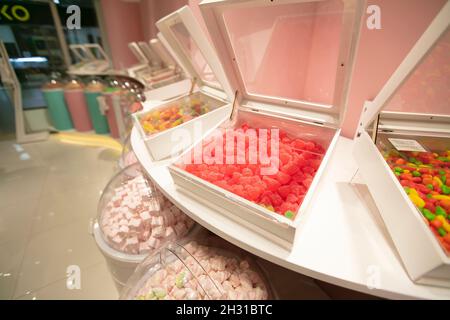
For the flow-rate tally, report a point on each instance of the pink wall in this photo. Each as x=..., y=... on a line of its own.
x=381, y=51
x=123, y=25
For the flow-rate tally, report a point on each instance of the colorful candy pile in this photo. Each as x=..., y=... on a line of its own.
x=209, y=274
x=172, y=116
x=425, y=177
x=282, y=192
x=136, y=220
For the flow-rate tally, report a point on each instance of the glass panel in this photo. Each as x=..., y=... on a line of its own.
x=193, y=53
x=427, y=90
x=288, y=51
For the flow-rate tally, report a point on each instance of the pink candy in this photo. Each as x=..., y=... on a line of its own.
x=227, y=278
x=136, y=220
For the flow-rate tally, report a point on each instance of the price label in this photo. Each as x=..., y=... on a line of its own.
x=407, y=145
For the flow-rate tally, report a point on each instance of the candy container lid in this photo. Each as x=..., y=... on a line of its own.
x=53, y=84
x=95, y=85
x=128, y=156
x=135, y=218
x=74, y=84
x=193, y=50
x=161, y=50
x=292, y=57
x=416, y=97
x=192, y=271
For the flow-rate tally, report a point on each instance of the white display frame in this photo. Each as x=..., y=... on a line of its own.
x=278, y=229
x=423, y=258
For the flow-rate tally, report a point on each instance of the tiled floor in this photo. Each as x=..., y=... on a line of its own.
x=48, y=193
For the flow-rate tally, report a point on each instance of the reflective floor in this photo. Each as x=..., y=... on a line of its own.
x=48, y=193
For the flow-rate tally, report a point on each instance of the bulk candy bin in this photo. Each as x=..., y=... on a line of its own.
x=76, y=103
x=57, y=109
x=134, y=219
x=128, y=156
x=193, y=271
x=93, y=90
x=403, y=150
x=193, y=112
x=291, y=70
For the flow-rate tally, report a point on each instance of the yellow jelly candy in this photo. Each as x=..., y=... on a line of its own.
x=418, y=201
x=414, y=192
x=438, y=181
x=445, y=224
x=441, y=197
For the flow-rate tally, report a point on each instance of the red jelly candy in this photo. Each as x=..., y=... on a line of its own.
x=307, y=182
x=276, y=199
x=272, y=184
x=284, y=191
x=283, y=178
x=291, y=168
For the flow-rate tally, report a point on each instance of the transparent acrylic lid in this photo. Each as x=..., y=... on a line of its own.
x=417, y=96
x=192, y=51
x=427, y=90
x=188, y=41
x=135, y=218
x=193, y=271
x=292, y=53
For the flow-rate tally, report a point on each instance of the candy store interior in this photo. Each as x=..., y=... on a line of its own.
x=224, y=150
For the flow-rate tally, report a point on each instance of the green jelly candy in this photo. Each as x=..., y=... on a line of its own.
x=442, y=232
x=398, y=169
x=441, y=211
x=412, y=160
x=430, y=186
x=398, y=174
x=445, y=189
x=429, y=196
x=407, y=189
x=428, y=214
x=441, y=172
x=289, y=214
x=416, y=174
x=444, y=179
x=179, y=280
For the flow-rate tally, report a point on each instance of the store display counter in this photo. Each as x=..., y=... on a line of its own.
x=343, y=242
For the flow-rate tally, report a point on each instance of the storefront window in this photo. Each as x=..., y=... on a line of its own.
x=28, y=31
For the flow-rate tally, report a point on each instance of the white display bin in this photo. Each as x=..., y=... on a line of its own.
x=207, y=85
x=413, y=108
x=249, y=54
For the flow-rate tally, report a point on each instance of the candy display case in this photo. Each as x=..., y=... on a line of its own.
x=403, y=150
x=134, y=219
x=153, y=70
x=293, y=120
x=193, y=112
x=193, y=271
